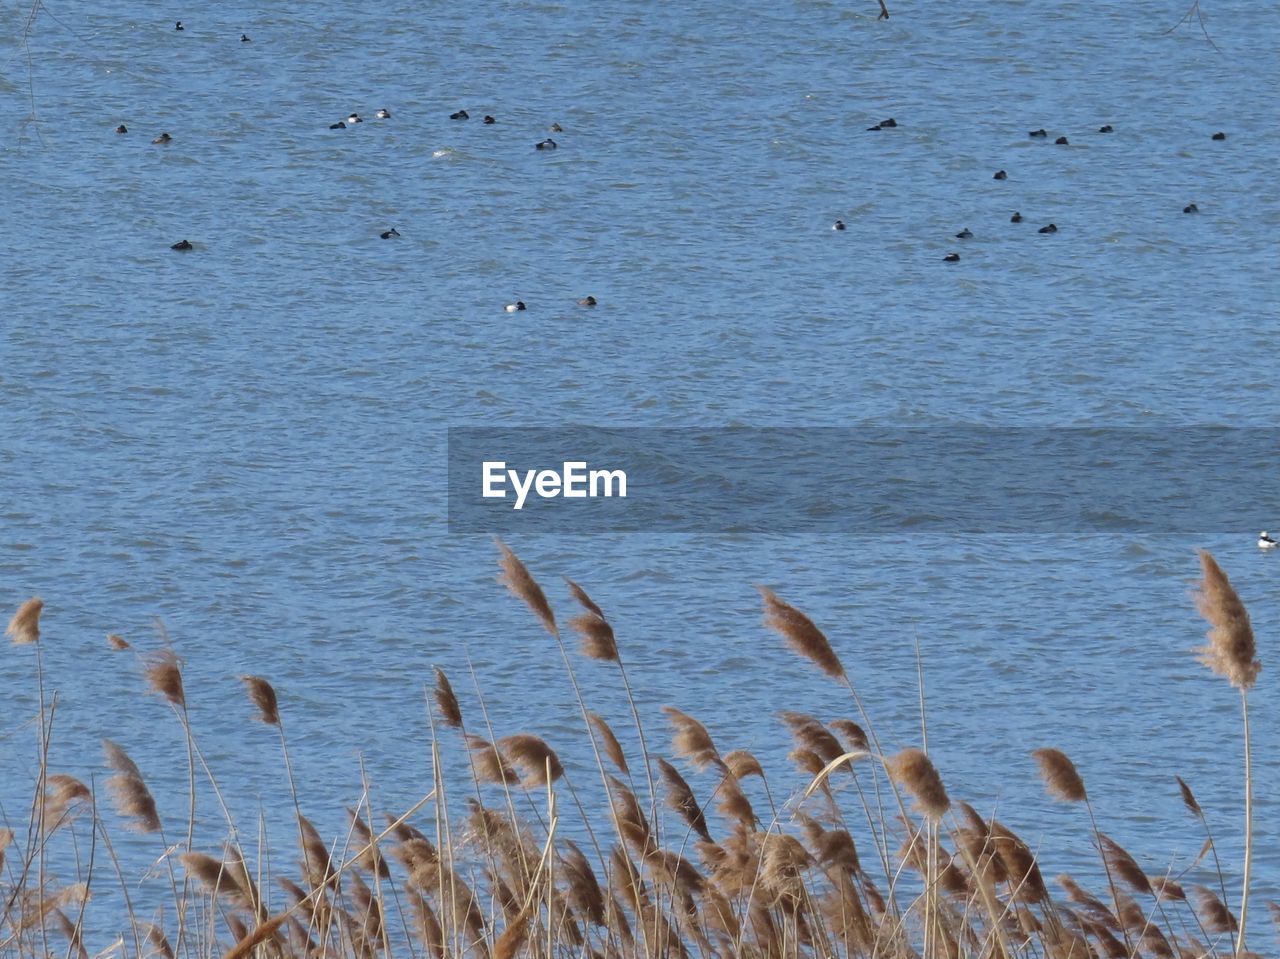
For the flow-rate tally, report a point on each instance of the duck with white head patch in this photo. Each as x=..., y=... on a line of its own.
x=1266, y=542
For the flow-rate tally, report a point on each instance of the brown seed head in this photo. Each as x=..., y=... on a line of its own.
x=800, y=633
x=129, y=791
x=742, y=764
x=1188, y=798
x=117, y=642
x=165, y=677
x=1215, y=916
x=692, y=741
x=533, y=757
x=596, y=637
x=516, y=578
x=612, y=748
x=1060, y=776
x=447, y=702
x=25, y=625
x=914, y=770
x=263, y=696
x=1231, y=651
x=487, y=763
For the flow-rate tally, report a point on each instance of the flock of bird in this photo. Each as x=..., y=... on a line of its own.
x=550, y=144
x=967, y=234
x=164, y=139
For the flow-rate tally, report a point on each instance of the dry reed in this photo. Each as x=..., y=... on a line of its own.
x=24, y=627
x=706, y=877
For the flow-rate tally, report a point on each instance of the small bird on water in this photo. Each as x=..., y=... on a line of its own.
x=1266, y=542
x=1062, y=141
x=122, y=129
x=162, y=138
x=1051, y=228
x=388, y=234
x=951, y=258
x=515, y=307
x=1000, y=175
x=838, y=225
x=587, y=301
x=179, y=26
x=383, y=114
x=244, y=38
x=547, y=144
x=965, y=234
x=1016, y=218
x=182, y=245
x=1190, y=208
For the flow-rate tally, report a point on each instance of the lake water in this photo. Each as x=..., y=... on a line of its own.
x=247, y=441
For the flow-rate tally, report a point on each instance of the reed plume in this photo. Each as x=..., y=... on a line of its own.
x=1231, y=651
x=612, y=748
x=1188, y=797
x=681, y=798
x=1124, y=865
x=263, y=696
x=800, y=633
x=593, y=629
x=488, y=764
x=533, y=757
x=1213, y=913
x=165, y=677
x=25, y=625
x=132, y=798
x=1060, y=776
x=446, y=701
x=595, y=636
x=61, y=792
x=692, y=741
x=742, y=764
x=515, y=576
x=914, y=770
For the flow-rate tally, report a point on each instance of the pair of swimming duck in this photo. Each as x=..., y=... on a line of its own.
x=519, y=307
x=244, y=37
x=356, y=118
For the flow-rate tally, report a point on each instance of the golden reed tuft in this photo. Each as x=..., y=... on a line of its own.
x=800, y=633
x=165, y=677
x=612, y=748
x=132, y=797
x=533, y=757
x=1060, y=775
x=446, y=701
x=263, y=695
x=25, y=625
x=515, y=576
x=914, y=770
x=1231, y=651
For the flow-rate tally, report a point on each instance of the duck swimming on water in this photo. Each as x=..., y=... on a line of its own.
x=1266, y=542
x=515, y=307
